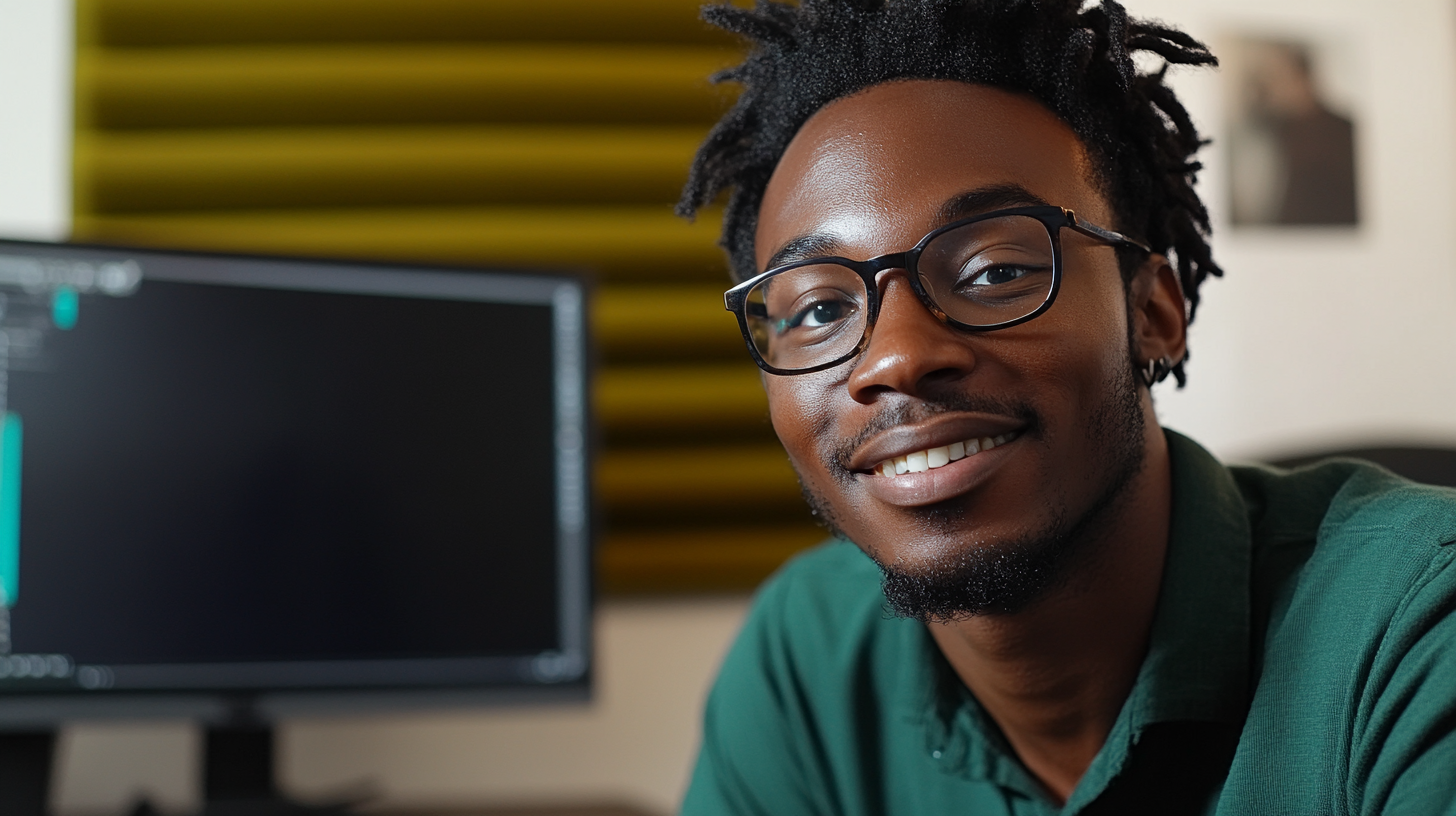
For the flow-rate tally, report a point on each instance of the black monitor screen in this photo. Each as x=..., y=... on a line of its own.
x=232, y=473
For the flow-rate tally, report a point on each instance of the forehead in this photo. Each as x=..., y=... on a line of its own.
x=873, y=171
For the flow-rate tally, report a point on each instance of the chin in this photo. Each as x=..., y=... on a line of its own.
x=947, y=577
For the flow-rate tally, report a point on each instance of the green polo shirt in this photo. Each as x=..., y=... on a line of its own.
x=1302, y=661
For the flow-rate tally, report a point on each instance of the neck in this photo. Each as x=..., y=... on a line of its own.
x=1055, y=675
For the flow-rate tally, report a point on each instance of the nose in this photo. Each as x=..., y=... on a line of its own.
x=910, y=350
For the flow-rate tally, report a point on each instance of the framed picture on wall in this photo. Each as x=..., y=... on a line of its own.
x=1292, y=131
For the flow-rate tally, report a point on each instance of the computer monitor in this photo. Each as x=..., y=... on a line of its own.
x=296, y=484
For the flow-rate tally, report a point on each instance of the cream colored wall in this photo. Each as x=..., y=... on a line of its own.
x=1322, y=337
x=634, y=744
x=35, y=118
x=1315, y=337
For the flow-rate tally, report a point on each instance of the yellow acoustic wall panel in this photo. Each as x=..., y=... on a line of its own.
x=386, y=84
x=515, y=133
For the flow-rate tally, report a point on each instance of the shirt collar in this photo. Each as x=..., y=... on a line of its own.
x=1197, y=665
x=1198, y=655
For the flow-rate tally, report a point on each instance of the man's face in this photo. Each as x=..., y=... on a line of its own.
x=870, y=175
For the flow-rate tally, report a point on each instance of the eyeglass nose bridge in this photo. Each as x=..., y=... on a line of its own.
x=870, y=271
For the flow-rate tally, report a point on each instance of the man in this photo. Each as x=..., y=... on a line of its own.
x=968, y=245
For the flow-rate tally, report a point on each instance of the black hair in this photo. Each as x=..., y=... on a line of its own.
x=1077, y=61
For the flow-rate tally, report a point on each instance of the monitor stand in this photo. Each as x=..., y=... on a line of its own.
x=237, y=777
x=237, y=770
x=25, y=772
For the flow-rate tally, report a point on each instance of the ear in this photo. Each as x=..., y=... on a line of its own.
x=1160, y=317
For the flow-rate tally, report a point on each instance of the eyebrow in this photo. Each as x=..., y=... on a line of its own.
x=813, y=245
x=986, y=199
x=963, y=205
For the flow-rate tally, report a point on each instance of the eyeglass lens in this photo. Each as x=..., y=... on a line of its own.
x=980, y=274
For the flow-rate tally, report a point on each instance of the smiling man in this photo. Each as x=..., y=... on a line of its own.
x=968, y=246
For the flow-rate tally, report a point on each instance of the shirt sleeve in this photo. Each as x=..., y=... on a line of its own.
x=753, y=726
x=1409, y=739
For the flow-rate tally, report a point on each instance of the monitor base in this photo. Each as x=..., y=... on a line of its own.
x=25, y=772
x=238, y=771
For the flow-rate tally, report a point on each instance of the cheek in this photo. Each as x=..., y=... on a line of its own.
x=1108, y=335
x=1078, y=347
x=799, y=408
x=1098, y=353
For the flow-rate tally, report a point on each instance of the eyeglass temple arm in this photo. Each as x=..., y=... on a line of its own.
x=1101, y=234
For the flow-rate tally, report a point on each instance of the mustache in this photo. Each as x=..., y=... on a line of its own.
x=906, y=413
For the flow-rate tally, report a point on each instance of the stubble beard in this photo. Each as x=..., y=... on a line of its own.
x=1007, y=574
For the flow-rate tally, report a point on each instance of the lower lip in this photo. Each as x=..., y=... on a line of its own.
x=938, y=485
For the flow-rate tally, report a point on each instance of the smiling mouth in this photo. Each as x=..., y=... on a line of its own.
x=932, y=458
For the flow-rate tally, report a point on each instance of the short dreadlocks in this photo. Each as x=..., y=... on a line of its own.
x=1077, y=61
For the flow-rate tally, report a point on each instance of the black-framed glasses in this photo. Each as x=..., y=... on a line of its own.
x=983, y=273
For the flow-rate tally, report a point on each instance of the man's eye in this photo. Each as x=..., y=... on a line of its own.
x=821, y=314
x=817, y=315
x=999, y=275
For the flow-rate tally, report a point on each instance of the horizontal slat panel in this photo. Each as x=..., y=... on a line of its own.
x=354, y=84
x=699, y=559
x=748, y=476
x=665, y=321
x=675, y=397
x=506, y=133
x=205, y=169
x=174, y=22
x=620, y=243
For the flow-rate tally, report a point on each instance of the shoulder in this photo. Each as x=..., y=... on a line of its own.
x=817, y=676
x=1348, y=508
x=1353, y=583
x=1345, y=545
x=828, y=580
x=821, y=611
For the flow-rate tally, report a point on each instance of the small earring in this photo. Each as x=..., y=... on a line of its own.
x=1156, y=370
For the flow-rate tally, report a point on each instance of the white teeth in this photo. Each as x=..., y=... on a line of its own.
x=921, y=461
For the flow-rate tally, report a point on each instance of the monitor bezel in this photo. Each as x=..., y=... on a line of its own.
x=283, y=688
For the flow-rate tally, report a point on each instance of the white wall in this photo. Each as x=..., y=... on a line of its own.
x=1316, y=337
x=35, y=118
x=1322, y=337
x=634, y=744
